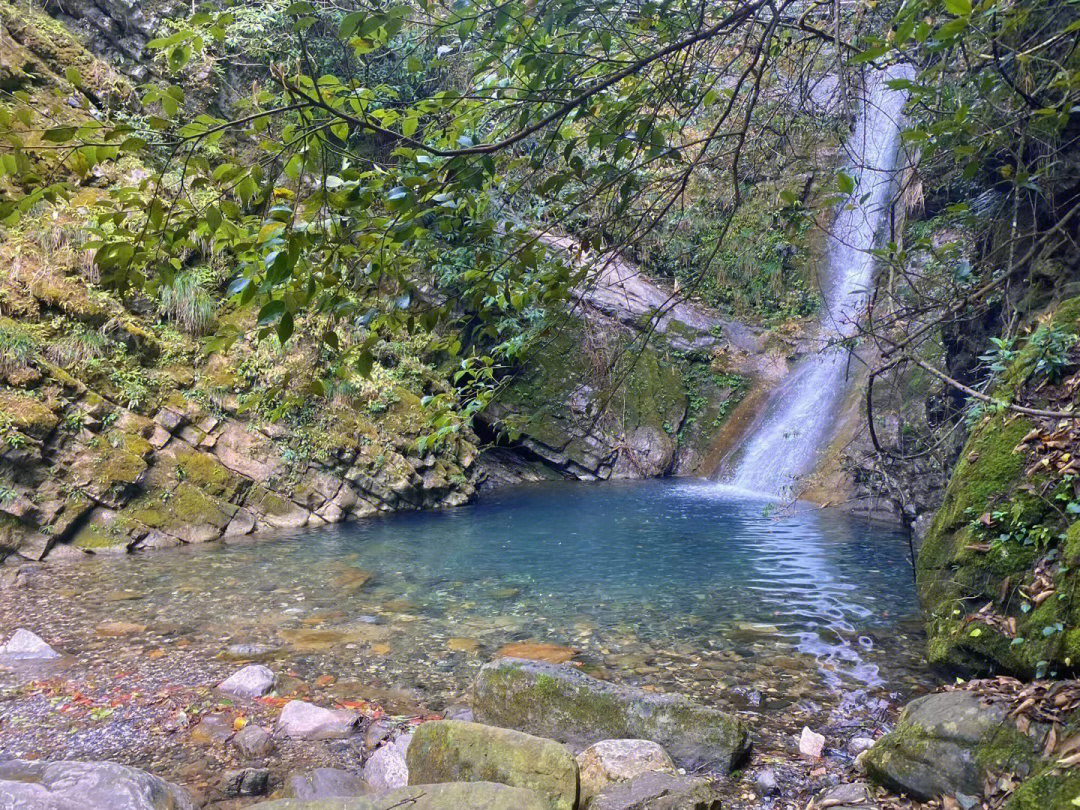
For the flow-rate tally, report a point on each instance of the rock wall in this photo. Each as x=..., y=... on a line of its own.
x=91, y=476
x=597, y=402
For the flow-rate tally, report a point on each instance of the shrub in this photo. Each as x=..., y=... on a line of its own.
x=18, y=345
x=77, y=347
x=187, y=304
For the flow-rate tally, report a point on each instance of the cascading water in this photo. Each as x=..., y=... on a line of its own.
x=783, y=443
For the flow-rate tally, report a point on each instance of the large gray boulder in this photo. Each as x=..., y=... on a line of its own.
x=562, y=703
x=69, y=785
x=456, y=751
x=454, y=796
x=658, y=791
x=945, y=744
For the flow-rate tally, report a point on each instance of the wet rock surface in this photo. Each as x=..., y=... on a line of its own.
x=610, y=761
x=471, y=795
x=455, y=751
x=39, y=785
x=305, y=721
x=658, y=791
x=326, y=783
x=563, y=703
x=387, y=768
x=252, y=681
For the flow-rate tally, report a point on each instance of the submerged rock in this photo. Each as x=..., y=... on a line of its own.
x=658, y=791
x=306, y=721
x=452, y=796
x=538, y=651
x=765, y=783
x=245, y=782
x=945, y=744
x=326, y=783
x=212, y=729
x=253, y=742
x=37, y=785
x=564, y=704
x=811, y=744
x=26, y=646
x=455, y=751
x=609, y=761
x=252, y=681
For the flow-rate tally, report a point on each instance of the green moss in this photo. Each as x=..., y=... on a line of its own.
x=27, y=414
x=115, y=465
x=263, y=500
x=1053, y=790
x=207, y=473
x=97, y=538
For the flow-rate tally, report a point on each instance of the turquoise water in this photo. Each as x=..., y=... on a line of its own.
x=670, y=585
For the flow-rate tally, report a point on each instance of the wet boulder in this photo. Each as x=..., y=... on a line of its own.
x=658, y=791
x=456, y=751
x=612, y=761
x=386, y=768
x=562, y=703
x=451, y=796
x=38, y=785
x=945, y=744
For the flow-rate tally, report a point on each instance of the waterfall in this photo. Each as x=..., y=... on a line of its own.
x=799, y=416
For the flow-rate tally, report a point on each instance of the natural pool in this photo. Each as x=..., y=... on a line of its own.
x=683, y=586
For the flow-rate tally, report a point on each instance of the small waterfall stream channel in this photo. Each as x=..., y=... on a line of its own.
x=784, y=441
x=787, y=619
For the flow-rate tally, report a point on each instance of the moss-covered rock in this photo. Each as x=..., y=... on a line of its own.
x=957, y=574
x=455, y=751
x=27, y=414
x=945, y=744
x=562, y=703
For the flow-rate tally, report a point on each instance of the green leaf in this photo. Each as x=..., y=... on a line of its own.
x=961, y=8
x=285, y=327
x=364, y=364
x=59, y=134
x=350, y=23
x=271, y=312
x=845, y=182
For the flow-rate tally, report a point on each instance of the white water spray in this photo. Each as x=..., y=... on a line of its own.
x=799, y=417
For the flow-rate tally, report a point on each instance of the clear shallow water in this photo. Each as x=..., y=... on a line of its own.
x=678, y=586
